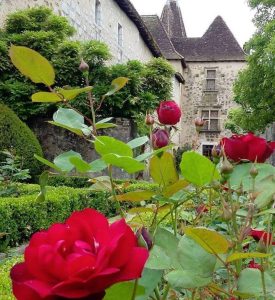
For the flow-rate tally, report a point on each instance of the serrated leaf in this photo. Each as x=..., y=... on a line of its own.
x=241, y=255
x=210, y=240
x=163, y=170
x=106, y=145
x=136, y=196
x=158, y=259
x=32, y=64
x=138, y=142
x=47, y=163
x=46, y=97
x=70, y=94
x=197, y=168
x=105, y=125
x=128, y=164
x=116, y=85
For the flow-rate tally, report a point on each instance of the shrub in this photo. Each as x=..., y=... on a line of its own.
x=14, y=134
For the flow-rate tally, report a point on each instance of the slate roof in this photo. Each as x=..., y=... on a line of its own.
x=132, y=13
x=171, y=18
x=156, y=28
x=217, y=44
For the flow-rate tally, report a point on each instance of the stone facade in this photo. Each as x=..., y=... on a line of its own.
x=197, y=99
x=81, y=14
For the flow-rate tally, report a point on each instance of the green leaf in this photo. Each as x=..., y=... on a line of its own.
x=210, y=240
x=147, y=155
x=46, y=97
x=98, y=165
x=128, y=164
x=71, y=119
x=194, y=258
x=101, y=183
x=80, y=165
x=163, y=170
x=158, y=259
x=138, y=142
x=63, y=161
x=70, y=94
x=186, y=279
x=104, y=120
x=149, y=280
x=250, y=283
x=43, y=181
x=174, y=188
x=33, y=65
x=116, y=85
x=47, y=163
x=123, y=291
x=136, y=196
x=241, y=255
x=74, y=130
x=105, y=125
x=198, y=169
x=106, y=145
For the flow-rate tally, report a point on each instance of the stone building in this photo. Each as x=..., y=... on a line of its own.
x=211, y=64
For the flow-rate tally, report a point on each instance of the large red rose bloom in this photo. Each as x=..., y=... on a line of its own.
x=169, y=112
x=247, y=147
x=78, y=259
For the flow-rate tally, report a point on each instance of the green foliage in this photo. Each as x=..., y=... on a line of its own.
x=254, y=88
x=14, y=134
x=265, y=11
x=5, y=282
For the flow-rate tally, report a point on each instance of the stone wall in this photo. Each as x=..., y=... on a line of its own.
x=195, y=98
x=55, y=140
x=81, y=14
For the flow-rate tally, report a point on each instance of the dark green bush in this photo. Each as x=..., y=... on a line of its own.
x=21, y=217
x=16, y=135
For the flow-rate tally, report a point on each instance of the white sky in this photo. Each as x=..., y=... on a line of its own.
x=199, y=14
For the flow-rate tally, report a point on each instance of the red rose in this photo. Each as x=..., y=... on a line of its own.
x=169, y=112
x=264, y=236
x=159, y=138
x=247, y=147
x=253, y=265
x=78, y=259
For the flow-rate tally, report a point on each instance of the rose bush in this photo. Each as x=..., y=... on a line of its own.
x=247, y=147
x=78, y=259
x=169, y=112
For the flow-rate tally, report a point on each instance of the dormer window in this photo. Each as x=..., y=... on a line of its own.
x=211, y=84
x=98, y=13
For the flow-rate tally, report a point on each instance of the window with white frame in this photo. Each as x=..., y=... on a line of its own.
x=211, y=81
x=98, y=13
x=211, y=116
x=119, y=35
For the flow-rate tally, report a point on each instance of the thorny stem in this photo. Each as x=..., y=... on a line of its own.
x=263, y=281
x=91, y=103
x=134, y=290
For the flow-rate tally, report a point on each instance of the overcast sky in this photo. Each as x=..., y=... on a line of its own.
x=199, y=14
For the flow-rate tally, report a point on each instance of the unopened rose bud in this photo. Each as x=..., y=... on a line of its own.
x=199, y=123
x=253, y=172
x=83, y=67
x=159, y=138
x=253, y=265
x=144, y=238
x=226, y=167
x=149, y=120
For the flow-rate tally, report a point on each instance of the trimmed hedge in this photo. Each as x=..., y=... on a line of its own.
x=15, y=134
x=21, y=217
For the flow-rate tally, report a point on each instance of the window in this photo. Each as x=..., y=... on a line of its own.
x=211, y=80
x=119, y=35
x=98, y=13
x=211, y=116
x=207, y=151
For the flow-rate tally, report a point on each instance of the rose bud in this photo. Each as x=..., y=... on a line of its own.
x=216, y=153
x=199, y=123
x=169, y=112
x=149, y=120
x=159, y=138
x=253, y=172
x=83, y=67
x=253, y=265
x=226, y=167
x=144, y=238
x=226, y=211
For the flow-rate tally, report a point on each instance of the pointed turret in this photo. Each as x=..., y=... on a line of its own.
x=171, y=18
